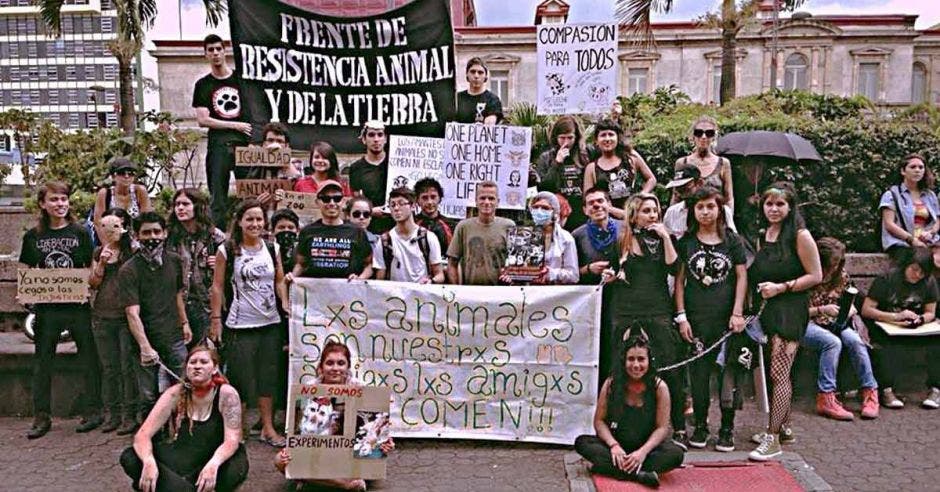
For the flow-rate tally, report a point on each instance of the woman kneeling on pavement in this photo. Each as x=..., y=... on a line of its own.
x=824, y=336
x=906, y=297
x=632, y=420
x=333, y=369
x=201, y=450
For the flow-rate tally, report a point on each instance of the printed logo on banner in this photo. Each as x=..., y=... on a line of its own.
x=576, y=68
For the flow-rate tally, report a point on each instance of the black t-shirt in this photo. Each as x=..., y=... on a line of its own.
x=155, y=292
x=894, y=294
x=710, y=274
x=67, y=247
x=644, y=290
x=474, y=109
x=371, y=180
x=224, y=101
x=328, y=251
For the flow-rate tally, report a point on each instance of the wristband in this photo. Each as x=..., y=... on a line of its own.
x=681, y=318
x=216, y=317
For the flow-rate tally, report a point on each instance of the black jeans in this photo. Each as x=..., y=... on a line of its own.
x=198, y=318
x=229, y=476
x=664, y=457
x=220, y=163
x=116, y=346
x=50, y=321
x=891, y=352
x=151, y=379
x=700, y=371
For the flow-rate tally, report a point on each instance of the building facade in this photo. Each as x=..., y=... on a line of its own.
x=71, y=80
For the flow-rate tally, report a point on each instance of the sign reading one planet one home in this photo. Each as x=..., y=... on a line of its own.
x=474, y=152
x=577, y=68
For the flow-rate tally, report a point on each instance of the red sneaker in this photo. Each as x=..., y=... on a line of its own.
x=828, y=406
x=869, y=403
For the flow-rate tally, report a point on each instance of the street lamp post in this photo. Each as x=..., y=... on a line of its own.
x=96, y=90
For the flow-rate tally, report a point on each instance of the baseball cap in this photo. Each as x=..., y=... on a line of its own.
x=122, y=163
x=329, y=183
x=683, y=176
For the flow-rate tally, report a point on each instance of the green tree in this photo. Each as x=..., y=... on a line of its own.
x=23, y=126
x=134, y=17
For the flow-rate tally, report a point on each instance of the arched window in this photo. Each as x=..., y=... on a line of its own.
x=919, y=84
x=795, y=73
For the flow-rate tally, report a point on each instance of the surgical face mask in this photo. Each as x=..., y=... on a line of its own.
x=152, y=243
x=541, y=216
x=286, y=239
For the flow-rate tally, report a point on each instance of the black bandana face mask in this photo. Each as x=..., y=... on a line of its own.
x=286, y=239
x=153, y=252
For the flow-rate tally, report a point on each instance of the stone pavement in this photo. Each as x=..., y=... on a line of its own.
x=898, y=452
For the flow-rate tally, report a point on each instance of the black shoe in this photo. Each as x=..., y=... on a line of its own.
x=649, y=479
x=41, y=425
x=89, y=424
x=681, y=439
x=725, y=442
x=111, y=425
x=699, y=437
x=130, y=426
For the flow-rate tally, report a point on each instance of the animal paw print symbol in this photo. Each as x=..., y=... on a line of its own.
x=227, y=102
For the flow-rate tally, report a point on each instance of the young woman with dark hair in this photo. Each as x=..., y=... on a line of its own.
x=561, y=168
x=711, y=284
x=910, y=211
x=323, y=166
x=249, y=276
x=192, y=235
x=616, y=168
x=113, y=339
x=785, y=269
x=632, y=419
x=58, y=242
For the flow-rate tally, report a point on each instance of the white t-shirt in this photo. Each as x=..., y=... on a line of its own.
x=408, y=263
x=255, y=301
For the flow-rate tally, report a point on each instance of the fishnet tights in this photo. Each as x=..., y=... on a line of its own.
x=782, y=354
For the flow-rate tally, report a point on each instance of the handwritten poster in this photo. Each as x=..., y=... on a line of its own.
x=303, y=204
x=47, y=285
x=262, y=156
x=413, y=158
x=475, y=152
x=462, y=362
x=251, y=188
x=336, y=431
x=576, y=70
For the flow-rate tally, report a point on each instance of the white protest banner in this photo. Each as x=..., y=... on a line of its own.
x=475, y=152
x=576, y=71
x=335, y=431
x=46, y=285
x=462, y=362
x=413, y=158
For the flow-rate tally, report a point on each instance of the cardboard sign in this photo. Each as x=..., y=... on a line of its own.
x=337, y=431
x=504, y=363
x=47, y=285
x=413, y=158
x=251, y=188
x=475, y=153
x=576, y=68
x=303, y=204
x=256, y=156
x=525, y=253
x=926, y=329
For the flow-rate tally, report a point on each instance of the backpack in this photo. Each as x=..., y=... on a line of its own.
x=230, y=268
x=423, y=245
x=90, y=219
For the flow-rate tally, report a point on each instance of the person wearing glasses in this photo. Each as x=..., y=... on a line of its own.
x=329, y=247
x=408, y=252
x=123, y=192
x=715, y=170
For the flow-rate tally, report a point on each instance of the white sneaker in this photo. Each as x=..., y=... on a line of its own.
x=890, y=400
x=933, y=399
x=767, y=449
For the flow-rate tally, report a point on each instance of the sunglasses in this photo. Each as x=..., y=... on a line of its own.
x=360, y=214
x=330, y=198
x=698, y=132
x=125, y=172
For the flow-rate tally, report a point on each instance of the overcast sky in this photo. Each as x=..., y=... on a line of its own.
x=522, y=12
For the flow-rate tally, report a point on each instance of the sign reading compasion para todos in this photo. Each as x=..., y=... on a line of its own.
x=324, y=77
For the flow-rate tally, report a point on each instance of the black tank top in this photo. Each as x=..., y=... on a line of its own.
x=618, y=181
x=192, y=450
x=636, y=424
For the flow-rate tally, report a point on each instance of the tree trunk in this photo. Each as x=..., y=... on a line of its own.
x=128, y=116
x=728, y=47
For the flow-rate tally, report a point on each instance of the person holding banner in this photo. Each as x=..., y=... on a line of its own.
x=409, y=253
x=632, y=419
x=192, y=235
x=323, y=166
x=248, y=272
x=639, y=293
x=478, y=251
x=560, y=169
x=561, y=254
x=785, y=269
x=615, y=169
x=220, y=108
x=477, y=104
x=275, y=137
x=203, y=450
x=58, y=242
x=369, y=175
x=112, y=335
x=330, y=248
x=711, y=284
x=905, y=297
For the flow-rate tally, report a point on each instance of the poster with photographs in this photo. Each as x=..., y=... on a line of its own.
x=337, y=431
x=526, y=253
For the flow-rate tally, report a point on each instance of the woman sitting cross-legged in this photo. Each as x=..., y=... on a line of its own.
x=632, y=421
x=202, y=451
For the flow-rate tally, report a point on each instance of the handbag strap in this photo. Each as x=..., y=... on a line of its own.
x=897, y=207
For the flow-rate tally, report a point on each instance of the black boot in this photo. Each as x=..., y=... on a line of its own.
x=649, y=479
x=89, y=423
x=41, y=425
x=112, y=424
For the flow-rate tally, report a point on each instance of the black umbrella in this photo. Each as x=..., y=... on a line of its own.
x=769, y=144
